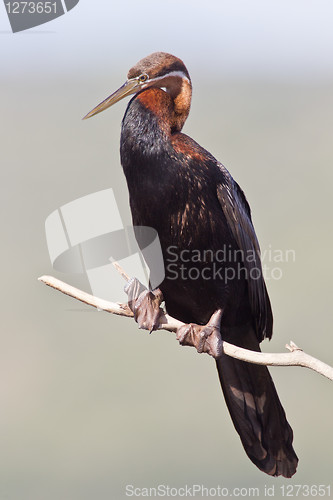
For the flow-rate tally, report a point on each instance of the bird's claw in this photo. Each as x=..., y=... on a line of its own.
x=206, y=338
x=145, y=304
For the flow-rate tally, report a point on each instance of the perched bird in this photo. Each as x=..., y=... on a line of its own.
x=213, y=278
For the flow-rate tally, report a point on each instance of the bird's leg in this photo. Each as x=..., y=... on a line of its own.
x=145, y=304
x=206, y=338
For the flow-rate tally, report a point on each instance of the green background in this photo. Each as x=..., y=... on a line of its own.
x=89, y=403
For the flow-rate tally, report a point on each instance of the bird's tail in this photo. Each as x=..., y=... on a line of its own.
x=256, y=411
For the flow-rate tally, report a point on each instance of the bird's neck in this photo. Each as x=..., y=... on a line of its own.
x=180, y=91
x=146, y=132
x=146, y=129
x=172, y=106
x=147, y=154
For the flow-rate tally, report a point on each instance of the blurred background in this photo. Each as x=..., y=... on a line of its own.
x=90, y=404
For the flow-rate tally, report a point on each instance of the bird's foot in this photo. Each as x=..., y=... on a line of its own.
x=206, y=338
x=145, y=304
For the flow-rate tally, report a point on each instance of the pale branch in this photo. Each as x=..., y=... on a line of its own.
x=296, y=357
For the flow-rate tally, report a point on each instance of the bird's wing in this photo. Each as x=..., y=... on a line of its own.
x=238, y=214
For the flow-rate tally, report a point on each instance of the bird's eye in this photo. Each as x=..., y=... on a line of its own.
x=143, y=77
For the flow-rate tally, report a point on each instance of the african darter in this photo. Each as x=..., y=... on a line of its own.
x=190, y=199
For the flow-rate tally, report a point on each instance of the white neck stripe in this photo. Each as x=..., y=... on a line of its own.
x=179, y=74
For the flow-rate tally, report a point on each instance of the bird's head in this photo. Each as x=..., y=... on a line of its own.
x=159, y=70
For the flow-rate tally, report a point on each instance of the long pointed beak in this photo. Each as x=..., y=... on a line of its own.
x=129, y=87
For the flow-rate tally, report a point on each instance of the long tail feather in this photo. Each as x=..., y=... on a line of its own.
x=256, y=411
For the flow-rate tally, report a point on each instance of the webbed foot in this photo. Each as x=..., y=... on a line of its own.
x=145, y=304
x=205, y=338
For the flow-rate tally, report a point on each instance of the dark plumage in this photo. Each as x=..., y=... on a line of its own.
x=179, y=189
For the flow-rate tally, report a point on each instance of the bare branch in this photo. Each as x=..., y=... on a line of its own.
x=296, y=357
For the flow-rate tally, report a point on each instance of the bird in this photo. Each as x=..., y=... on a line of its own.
x=213, y=274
